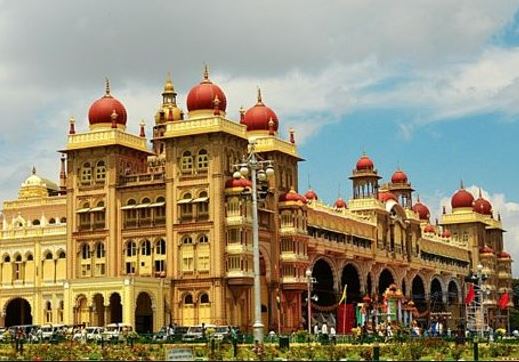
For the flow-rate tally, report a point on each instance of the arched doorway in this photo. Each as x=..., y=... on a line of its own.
x=116, y=308
x=350, y=276
x=82, y=311
x=436, y=296
x=18, y=311
x=384, y=281
x=453, y=293
x=144, y=314
x=418, y=294
x=98, y=311
x=323, y=288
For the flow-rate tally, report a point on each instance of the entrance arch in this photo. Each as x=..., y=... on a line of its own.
x=350, y=276
x=98, y=310
x=384, y=281
x=116, y=308
x=18, y=311
x=323, y=274
x=418, y=294
x=143, y=314
x=436, y=296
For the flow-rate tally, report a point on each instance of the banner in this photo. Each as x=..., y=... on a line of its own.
x=345, y=312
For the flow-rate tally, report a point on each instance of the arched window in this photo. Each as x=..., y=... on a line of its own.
x=187, y=162
x=48, y=311
x=7, y=259
x=144, y=212
x=202, y=239
x=48, y=256
x=99, y=215
x=187, y=240
x=131, y=248
x=188, y=299
x=85, y=251
x=204, y=299
x=160, y=247
x=146, y=248
x=202, y=160
x=52, y=221
x=100, y=250
x=36, y=222
x=100, y=171
x=18, y=258
x=62, y=255
x=202, y=203
x=86, y=173
x=30, y=257
x=63, y=220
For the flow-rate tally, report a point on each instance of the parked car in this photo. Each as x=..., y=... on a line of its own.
x=221, y=332
x=117, y=331
x=196, y=333
x=91, y=334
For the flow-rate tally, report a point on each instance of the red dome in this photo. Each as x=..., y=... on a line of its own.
x=386, y=195
x=202, y=96
x=504, y=255
x=365, y=163
x=446, y=234
x=340, y=204
x=257, y=118
x=422, y=211
x=292, y=195
x=486, y=250
x=102, y=109
x=482, y=206
x=399, y=177
x=462, y=198
x=311, y=195
x=429, y=229
x=238, y=182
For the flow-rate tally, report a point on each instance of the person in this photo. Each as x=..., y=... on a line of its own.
x=324, y=329
x=333, y=332
x=316, y=329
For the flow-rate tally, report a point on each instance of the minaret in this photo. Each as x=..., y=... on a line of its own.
x=401, y=187
x=365, y=179
x=62, y=177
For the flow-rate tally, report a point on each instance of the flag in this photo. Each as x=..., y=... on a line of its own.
x=343, y=296
x=504, y=300
x=471, y=294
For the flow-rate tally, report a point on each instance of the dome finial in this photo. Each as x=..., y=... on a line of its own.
x=260, y=99
x=461, y=184
x=480, y=195
x=417, y=197
x=206, y=73
x=168, y=85
x=107, y=87
x=33, y=170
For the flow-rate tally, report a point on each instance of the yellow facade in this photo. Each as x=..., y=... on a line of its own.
x=153, y=237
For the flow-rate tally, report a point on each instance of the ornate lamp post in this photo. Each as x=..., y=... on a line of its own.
x=259, y=171
x=310, y=280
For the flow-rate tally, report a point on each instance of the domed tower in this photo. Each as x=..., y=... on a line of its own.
x=206, y=99
x=107, y=112
x=365, y=179
x=261, y=118
x=168, y=111
x=462, y=200
x=401, y=188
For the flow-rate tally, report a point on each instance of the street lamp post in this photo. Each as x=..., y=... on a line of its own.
x=310, y=280
x=259, y=170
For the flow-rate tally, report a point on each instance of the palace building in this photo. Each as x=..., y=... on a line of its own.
x=158, y=233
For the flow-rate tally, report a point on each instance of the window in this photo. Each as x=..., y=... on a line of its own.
x=233, y=206
x=48, y=256
x=202, y=205
x=160, y=247
x=160, y=211
x=63, y=220
x=145, y=212
x=187, y=162
x=100, y=171
x=100, y=250
x=130, y=268
x=187, y=240
x=36, y=222
x=61, y=255
x=202, y=160
x=30, y=257
x=146, y=248
x=7, y=259
x=188, y=299
x=85, y=251
x=202, y=239
x=48, y=311
x=99, y=215
x=160, y=266
x=52, y=221
x=186, y=207
x=204, y=298
x=86, y=174
x=131, y=248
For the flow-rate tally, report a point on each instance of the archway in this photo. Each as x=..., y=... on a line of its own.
x=384, y=281
x=436, y=296
x=323, y=288
x=369, y=284
x=116, y=308
x=144, y=314
x=350, y=276
x=98, y=310
x=82, y=311
x=418, y=294
x=17, y=312
x=453, y=293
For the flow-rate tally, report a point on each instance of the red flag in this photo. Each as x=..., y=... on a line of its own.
x=504, y=300
x=470, y=295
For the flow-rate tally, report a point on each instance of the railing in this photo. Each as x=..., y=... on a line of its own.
x=148, y=222
x=142, y=178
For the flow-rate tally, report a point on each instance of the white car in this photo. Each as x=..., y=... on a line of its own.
x=90, y=333
x=117, y=330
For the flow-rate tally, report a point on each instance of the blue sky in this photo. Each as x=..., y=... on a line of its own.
x=431, y=86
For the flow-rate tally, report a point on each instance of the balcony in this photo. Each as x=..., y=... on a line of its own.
x=147, y=222
x=138, y=179
x=293, y=282
x=240, y=278
x=291, y=257
x=237, y=248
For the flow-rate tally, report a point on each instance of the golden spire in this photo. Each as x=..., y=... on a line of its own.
x=168, y=86
x=107, y=87
x=260, y=99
